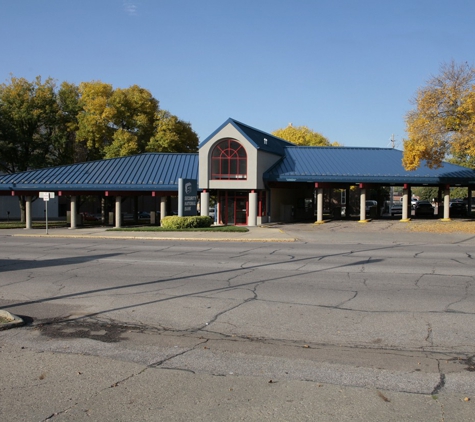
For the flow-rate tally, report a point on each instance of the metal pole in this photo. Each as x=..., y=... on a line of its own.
x=46, y=203
x=181, y=195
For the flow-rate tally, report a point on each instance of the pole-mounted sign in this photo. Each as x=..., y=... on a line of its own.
x=46, y=197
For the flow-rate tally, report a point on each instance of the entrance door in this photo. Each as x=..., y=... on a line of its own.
x=233, y=209
x=240, y=215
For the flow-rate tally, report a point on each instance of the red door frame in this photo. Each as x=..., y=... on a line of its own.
x=223, y=200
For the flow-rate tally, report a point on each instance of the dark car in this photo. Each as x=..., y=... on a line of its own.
x=370, y=204
x=144, y=215
x=457, y=209
x=424, y=209
x=88, y=217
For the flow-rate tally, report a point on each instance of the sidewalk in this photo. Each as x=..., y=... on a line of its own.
x=255, y=234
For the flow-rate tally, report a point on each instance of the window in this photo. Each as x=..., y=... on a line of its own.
x=228, y=161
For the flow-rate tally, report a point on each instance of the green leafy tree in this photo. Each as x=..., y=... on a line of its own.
x=425, y=193
x=28, y=119
x=302, y=135
x=443, y=122
x=64, y=148
x=172, y=135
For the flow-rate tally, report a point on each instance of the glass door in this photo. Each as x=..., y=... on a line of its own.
x=240, y=211
x=232, y=209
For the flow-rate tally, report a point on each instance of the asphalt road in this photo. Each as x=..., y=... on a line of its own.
x=364, y=312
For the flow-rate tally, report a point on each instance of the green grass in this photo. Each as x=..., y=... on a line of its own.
x=35, y=224
x=226, y=229
x=64, y=224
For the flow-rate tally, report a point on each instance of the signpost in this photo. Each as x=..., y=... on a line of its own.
x=46, y=197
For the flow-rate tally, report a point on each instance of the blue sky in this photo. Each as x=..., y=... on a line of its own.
x=345, y=68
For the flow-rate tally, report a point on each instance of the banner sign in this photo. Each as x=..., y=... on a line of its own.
x=187, y=197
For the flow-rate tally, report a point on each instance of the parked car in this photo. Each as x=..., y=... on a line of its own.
x=396, y=209
x=144, y=215
x=88, y=216
x=457, y=209
x=424, y=209
x=369, y=204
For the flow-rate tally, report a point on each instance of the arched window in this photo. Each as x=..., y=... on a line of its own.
x=228, y=161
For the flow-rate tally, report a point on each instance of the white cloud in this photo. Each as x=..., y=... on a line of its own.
x=130, y=8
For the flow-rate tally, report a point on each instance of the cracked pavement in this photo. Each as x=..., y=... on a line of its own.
x=361, y=312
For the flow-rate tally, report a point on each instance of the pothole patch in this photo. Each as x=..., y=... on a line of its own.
x=107, y=333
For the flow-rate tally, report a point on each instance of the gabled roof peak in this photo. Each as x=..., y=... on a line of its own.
x=260, y=140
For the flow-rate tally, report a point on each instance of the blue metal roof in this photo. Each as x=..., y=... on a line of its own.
x=261, y=140
x=360, y=165
x=144, y=172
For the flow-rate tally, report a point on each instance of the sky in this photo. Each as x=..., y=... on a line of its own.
x=347, y=69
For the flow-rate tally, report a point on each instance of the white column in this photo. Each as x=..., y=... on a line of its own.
x=252, y=219
x=363, y=204
x=163, y=207
x=447, y=203
x=118, y=212
x=405, y=203
x=204, y=203
x=28, y=219
x=319, y=205
x=73, y=210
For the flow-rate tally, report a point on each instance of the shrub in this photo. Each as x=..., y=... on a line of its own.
x=174, y=222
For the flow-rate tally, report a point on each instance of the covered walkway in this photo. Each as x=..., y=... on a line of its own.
x=150, y=174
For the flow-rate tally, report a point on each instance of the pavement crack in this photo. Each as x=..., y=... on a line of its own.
x=252, y=298
x=465, y=296
x=183, y=352
x=355, y=293
x=429, y=337
x=441, y=382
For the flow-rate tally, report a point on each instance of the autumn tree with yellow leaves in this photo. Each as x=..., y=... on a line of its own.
x=43, y=124
x=302, y=135
x=121, y=122
x=442, y=125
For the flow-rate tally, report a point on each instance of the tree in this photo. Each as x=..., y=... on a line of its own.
x=425, y=193
x=64, y=148
x=116, y=123
x=302, y=135
x=28, y=118
x=443, y=122
x=41, y=125
x=132, y=121
x=94, y=119
x=172, y=135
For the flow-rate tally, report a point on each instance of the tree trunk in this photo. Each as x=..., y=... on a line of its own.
x=22, y=203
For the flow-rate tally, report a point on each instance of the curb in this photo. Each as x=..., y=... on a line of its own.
x=15, y=321
x=133, y=237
